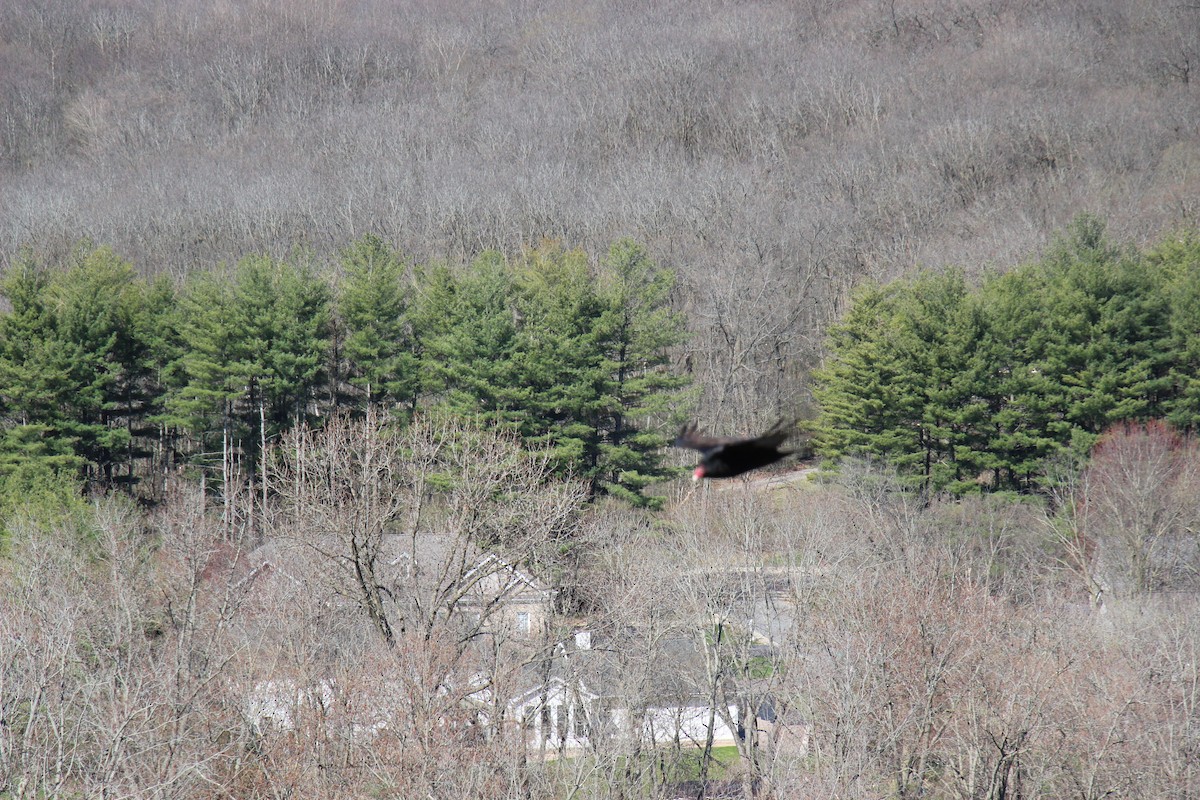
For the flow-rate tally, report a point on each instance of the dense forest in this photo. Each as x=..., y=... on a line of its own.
x=965, y=387
x=771, y=154
x=341, y=344
x=122, y=380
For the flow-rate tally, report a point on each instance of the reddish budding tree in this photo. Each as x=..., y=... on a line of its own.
x=1139, y=505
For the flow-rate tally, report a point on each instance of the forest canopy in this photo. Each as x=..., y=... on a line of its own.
x=961, y=386
x=119, y=378
x=772, y=155
x=964, y=387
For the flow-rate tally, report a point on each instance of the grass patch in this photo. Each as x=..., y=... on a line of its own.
x=655, y=769
x=687, y=768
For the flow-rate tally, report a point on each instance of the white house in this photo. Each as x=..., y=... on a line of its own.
x=563, y=718
x=558, y=715
x=565, y=707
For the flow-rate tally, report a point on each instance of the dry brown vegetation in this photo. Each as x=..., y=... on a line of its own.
x=317, y=640
x=772, y=153
x=942, y=651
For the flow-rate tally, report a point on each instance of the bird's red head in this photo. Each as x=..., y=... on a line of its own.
x=698, y=474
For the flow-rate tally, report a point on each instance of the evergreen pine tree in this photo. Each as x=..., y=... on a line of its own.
x=638, y=331
x=254, y=349
x=901, y=382
x=870, y=397
x=379, y=348
x=573, y=362
x=560, y=363
x=33, y=387
x=103, y=326
x=1105, y=328
x=1176, y=261
x=205, y=385
x=941, y=325
x=71, y=355
x=953, y=385
x=469, y=343
x=297, y=330
x=26, y=332
x=1023, y=428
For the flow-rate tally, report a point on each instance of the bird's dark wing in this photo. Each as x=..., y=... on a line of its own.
x=728, y=457
x=779, y=433
x=692, y=438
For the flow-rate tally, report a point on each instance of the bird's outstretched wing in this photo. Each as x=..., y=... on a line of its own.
x=726, y=457
x=691, y=437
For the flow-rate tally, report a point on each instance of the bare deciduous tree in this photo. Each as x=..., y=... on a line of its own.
x=1139, y=504
x=800, y=148
x=115, y=672
x=404, y=516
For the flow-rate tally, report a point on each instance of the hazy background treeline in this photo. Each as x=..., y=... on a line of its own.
x=773, y=154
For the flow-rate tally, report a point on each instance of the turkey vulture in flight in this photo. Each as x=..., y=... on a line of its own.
x=727, y=457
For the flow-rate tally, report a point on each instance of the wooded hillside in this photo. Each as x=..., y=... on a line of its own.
x=341, y=341
x=772, y=154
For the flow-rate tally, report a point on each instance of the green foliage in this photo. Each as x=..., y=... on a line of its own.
x=40, y=491
x=574, y=360
x=1106, y=325
x=380, y=347
x=101, y=370
x=76, y=360
x=29, y=388
x=255, y=341
x=1020, y=428
x=640, y=331
x=904, y=380
x=469, y=343
x=560, y=359
x=32, y=451
x=156, y=322
x=205, y=382
x=98, y=302
x=1178, y=260
x=859, y=391
x=959, y=388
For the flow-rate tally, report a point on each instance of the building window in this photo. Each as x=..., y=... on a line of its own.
x=522, y=622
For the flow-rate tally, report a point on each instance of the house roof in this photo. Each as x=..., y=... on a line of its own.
x=555, y=685
x=501, y=577
x=604, y=670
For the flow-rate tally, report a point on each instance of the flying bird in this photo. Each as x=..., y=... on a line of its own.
x=730, y=456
